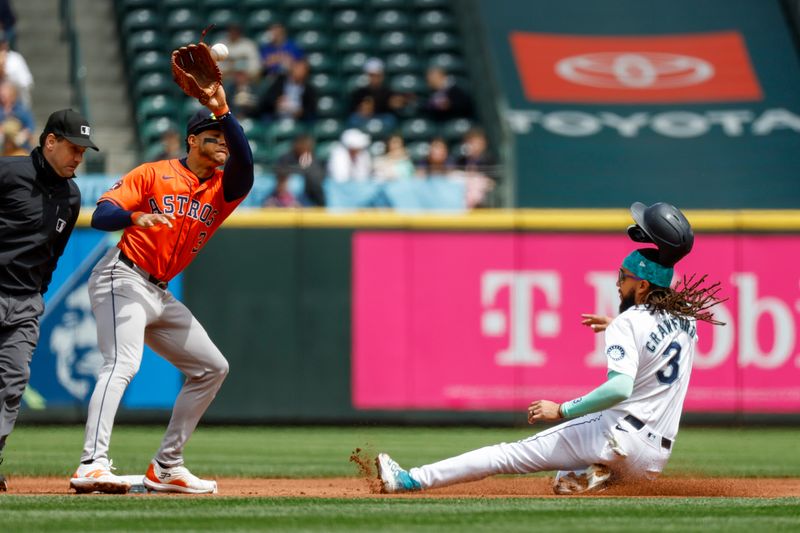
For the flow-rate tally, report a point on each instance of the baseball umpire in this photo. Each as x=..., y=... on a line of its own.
x=168, y=210
x=39, y=205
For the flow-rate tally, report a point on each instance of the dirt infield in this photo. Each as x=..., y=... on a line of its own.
x=498, y=487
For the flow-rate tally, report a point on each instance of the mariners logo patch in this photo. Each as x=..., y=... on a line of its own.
x=615, y=352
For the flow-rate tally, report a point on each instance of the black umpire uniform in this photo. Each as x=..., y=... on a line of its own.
x=39, y=205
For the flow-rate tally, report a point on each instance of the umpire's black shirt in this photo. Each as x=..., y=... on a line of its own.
x=38, y=209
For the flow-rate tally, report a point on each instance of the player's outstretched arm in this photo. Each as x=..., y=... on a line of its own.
x=237, y=179
x=618, y=388
x=597, y=323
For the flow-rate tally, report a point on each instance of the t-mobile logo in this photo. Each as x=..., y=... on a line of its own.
x=526, y=316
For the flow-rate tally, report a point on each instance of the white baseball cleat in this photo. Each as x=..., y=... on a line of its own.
x=595, y=478
x=176, y=479
x=393, y=477
x=97, y=477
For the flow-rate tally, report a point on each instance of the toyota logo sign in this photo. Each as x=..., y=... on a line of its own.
x=634, y=70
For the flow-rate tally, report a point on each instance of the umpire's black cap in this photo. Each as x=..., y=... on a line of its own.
x=72, y=126
x=201, y=121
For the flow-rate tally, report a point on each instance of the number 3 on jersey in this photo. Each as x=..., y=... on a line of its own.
x=201, y=239
x=669, y=373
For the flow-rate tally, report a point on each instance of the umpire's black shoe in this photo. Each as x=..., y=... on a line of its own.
x=3, y=483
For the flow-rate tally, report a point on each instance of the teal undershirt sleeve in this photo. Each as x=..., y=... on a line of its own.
x=617, y=388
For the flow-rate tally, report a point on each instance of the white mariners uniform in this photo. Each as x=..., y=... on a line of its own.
x=634, y=438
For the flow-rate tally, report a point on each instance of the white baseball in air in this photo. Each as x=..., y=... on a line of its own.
x=219, y=52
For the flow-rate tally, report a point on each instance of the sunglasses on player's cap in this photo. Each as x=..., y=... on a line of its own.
x=72, y=126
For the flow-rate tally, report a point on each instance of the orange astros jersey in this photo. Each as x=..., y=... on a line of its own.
x=170, y=188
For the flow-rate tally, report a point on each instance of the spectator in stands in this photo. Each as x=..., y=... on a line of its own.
x=447, y=100
x=8, y=22
x=172, y=146
x=279, y=52
x=11, y=107
x=300, y=159
x=366, y=112
x=437, y=163
x=13, y=138
x=242, y=90
x=291, y=95
x=281, y=196
x=350, y=160
x=394, y=164
x=242, y=53
x=478, y=167
x=386, y=103
x=14, y=68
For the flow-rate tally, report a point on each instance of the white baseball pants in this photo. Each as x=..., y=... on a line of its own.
x=597, y=438
x=131, y=311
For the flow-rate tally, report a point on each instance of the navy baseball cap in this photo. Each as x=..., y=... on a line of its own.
x=201, y=121
x=72, y=126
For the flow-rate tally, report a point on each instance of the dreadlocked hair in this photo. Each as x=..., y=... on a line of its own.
x=688, y=299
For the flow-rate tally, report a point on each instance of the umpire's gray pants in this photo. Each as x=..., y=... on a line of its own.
x=19, y=333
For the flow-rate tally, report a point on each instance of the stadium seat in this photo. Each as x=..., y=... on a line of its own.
x=155, y=106
x=320, y=62
x=353, y=63
x=223, y=18
x=283, y=129
x=418, y=150
x=188, y=108
x=440, y=41
x=378, y=129
x=435, y=20
x=451, y=63
x=402, y=63
x=354, y=41
x=150, y=61
x=417, y=129
x=126, y=6
x=327, y=129
x=455, y=129
x=152, y=151
x=396, y=41
x=324, y=83
x=306, y=19
x=142, y=41
x=258, y=20
x=154, y=83
x=302, y=4
x=253, y=129
x=329, y=106
x=152, y=130
x=213, y=5
x=279, y=149
x=431, y=4
x=261, y=154
x=312, y=40
x=252, y=5
x=355, y=81
x=349, y=19
x=391, y=20
x=379, y=5
x=346, y=4
x=183, y=37
x=185, y=19
x=407, y=83
x=171, y=5
x=141, y=19
x=323, y=150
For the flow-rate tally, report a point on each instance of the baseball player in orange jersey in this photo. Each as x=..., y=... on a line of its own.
x=168, y=210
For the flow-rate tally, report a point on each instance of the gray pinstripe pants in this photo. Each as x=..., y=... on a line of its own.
x=19, y=333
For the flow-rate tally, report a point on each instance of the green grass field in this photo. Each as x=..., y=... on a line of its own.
x=321, y=452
